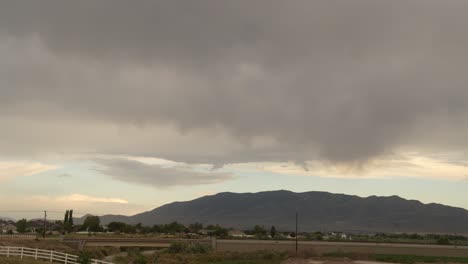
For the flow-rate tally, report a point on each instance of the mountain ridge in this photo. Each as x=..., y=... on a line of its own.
x=317, y=210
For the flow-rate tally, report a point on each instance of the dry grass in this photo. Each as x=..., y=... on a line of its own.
x=21, y=261
x=48, y=244
x=56, y=245
x=262, y=257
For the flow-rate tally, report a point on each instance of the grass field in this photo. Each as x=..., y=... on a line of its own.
x=208, y=258
x=21, y=261
x=411, y=259
x=395, y=258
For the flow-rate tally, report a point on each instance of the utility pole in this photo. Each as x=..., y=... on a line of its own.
x=297, y=216
x=45, y=224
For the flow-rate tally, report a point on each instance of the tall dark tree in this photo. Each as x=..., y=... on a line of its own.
x=273, y=232
x=70, y=218
x=68, y=221
x=65, y=219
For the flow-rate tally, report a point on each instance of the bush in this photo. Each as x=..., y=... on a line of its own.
x=182, y=247
x=140, y=259
x=443, y=241
x=198, y=249
x=177, y=247
x=84, y=258
x=133, y=252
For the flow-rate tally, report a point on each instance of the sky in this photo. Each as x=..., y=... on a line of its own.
x=118, y=107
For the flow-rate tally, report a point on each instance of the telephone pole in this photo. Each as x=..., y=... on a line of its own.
x=297, y=216
x=45, y=224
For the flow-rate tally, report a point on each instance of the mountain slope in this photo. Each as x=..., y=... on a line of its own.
x=317, y=211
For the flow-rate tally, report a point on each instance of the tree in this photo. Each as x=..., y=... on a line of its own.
x=173, y=228
x=92, y=223
x=221, y=232
x=273, y=232
x=138, y=226
x=40, y=231
x=195, y=227
x=259, y=231
x=22, y=226
x=65, y=219
x=70, y=218
x=116, y=226
x=68, y=221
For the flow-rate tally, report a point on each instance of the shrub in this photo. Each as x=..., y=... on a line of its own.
x=182, y=247
x=443, y=241
x=177, y=247
x=140, y=259
x=84, y=258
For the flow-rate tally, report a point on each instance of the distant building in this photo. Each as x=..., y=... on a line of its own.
x=206, y=231
x=6, y=228
x=237, y=233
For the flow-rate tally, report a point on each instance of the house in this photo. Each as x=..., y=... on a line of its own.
x=8, y=228
x=206, y=231
x=237, y=233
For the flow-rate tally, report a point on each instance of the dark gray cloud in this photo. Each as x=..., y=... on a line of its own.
x=157, y=175
x=251, y=80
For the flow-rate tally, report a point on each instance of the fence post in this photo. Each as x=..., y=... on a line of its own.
x=35, y=255
x=66, y=258
x=8, y=252
x=51, y=255
x=214, y=243
x=22, y=250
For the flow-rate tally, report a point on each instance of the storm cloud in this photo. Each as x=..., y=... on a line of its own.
x=233, y=81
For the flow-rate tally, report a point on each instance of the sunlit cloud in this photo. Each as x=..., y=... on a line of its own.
x=56, y=205
x=404, y=165
x=80, y=198
x=9, y=170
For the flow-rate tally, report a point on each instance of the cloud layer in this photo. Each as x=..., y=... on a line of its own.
x=9, y=170
x=157, y=175
x=34, y=205
x=232, y=81
x=412, y=165
x=80, y=198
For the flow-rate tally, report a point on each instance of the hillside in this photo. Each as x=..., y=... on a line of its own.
x=317, y=211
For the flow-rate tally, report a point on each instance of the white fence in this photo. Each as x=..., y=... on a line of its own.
x=40, y=254
x=19, y=236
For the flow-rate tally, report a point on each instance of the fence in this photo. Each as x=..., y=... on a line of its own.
x=47, y=255
x=19, y=236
